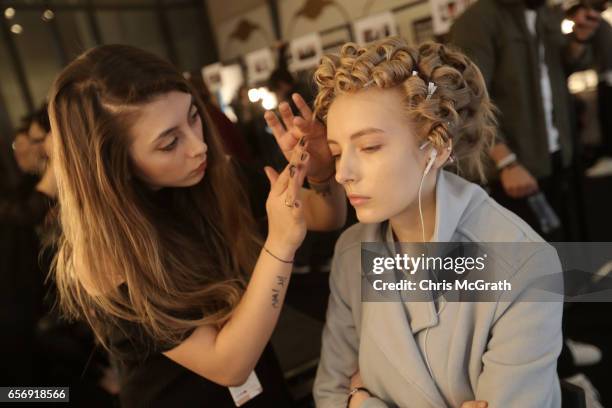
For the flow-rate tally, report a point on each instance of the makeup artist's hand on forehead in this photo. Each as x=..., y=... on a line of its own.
x=307, y=129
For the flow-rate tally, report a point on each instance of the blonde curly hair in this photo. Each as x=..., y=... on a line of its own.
x=459, y=110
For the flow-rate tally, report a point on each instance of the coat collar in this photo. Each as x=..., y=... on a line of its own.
x=394, y=325
x=454, y=198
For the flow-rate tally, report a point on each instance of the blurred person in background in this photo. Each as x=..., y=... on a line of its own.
x=30, y=149
x=525, y=60
x=40, y=347
x=23, y=210
x=602, y=53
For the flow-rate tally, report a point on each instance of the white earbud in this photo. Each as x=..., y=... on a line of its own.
x=431, y=160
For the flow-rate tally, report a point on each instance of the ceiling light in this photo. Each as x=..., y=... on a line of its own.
x=9, y=13
x=16, y=29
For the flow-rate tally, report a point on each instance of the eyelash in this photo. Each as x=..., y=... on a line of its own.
x=369, y=149
x=170, y=146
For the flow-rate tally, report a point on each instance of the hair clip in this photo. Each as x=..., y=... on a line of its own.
x=431, y=88
x=370, y=82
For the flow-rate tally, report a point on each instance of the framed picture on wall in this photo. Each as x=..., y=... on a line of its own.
x=212, y=76
x=260, y=65
x=423, y=30
x=374, y=28
x=306, y=52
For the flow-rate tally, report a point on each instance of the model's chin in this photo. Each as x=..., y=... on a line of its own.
x=370, y=215
x=195, y=178
x=190, y=181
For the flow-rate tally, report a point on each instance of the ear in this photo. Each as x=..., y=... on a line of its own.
x=443, y=156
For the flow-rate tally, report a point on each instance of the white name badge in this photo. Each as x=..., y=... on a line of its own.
x=247, y=391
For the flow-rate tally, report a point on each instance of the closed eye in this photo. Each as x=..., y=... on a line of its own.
x=371, y=149
x=170, y=146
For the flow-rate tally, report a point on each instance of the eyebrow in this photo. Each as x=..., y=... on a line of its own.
x=172, y=129
x=360, y=133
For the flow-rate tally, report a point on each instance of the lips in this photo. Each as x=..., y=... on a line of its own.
x=200, y=168
x=356, y=199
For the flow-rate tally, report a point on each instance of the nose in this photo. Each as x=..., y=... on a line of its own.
x=345, y=169
x=197, y=146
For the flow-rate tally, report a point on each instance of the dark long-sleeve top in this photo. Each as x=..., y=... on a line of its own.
x=24, y=209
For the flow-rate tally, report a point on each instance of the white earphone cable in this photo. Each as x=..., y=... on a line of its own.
x=420, y=208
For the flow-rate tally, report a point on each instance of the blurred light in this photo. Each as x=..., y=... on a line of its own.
x=567, y=26
x=229, y=112
x=48, y=15
x=16, y=29
x=254, y=95
x=269, y=101
x=582, y=81
x=607, y=14
x=9, y=13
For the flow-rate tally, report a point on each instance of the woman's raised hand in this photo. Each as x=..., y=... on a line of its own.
x=305, y=129
x=286, y=222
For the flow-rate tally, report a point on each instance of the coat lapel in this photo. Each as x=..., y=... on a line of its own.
x=393, y=325
x=387, y=326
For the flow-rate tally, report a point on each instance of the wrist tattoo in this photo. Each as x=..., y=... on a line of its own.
x=276, y=292
x=275, y=298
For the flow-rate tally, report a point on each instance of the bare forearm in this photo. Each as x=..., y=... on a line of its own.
x=325, y=210
x=242, y=340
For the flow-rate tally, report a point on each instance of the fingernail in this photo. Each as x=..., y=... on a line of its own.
x=482, y=404
x=291, y=170
x=303, y=141
x=303, y=156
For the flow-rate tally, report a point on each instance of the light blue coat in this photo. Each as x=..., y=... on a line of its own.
x=502, y=352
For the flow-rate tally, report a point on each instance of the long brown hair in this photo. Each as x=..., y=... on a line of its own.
x=182, y=253
x=459, y=109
